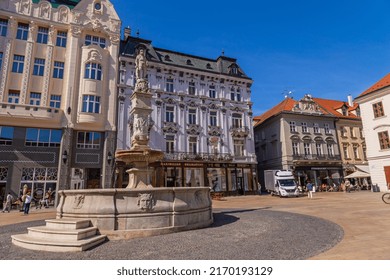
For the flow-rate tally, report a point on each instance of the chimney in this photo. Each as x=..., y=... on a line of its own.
x=350, y=102
x=127, y=32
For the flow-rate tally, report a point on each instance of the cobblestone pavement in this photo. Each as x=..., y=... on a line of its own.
x=334, y=226
x=235, y=234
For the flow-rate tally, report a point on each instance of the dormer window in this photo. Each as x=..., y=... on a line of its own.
x=167, y=58
x=97, y=7
x=189, y=62
x=208, y=66
x=344, y=111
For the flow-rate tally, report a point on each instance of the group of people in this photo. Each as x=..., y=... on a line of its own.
x=25, y=200
x=345, y=186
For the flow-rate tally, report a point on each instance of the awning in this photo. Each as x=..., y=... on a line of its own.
x=363, y=168
x=357, y=174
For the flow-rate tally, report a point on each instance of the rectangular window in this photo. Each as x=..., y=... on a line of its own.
x=22, y=32
x=169, y=114
x=3, y=27
x=237, y=120
x=169, y=85
x=91, y=104
x=192, y=145
x=39, y=67
x=330, y=149
x=93, y=71
x=95, y=40
x=295, y=148
x=55, y=101
x=232, y=94
x=238, y=95
x=293, y=127
x=43, y=35
x=319, y=149
x=58, y=70
x=192, y=116
x=361, y=132
x=1, y=59
x=306, y=148
x=304, y=127
x=88, y=140
x=345, y=151
x=343, y=131
x=316, y=128
x=36, y=137
x=238, y=148
x=61, y=39
x=212, y=92
x=6, y=135
x=35, y=98
x=170, y=143
x=326, y=127
x=378, y=110
x=384, y=140
x=352, y=131
x=18, y=64
x=356, y=152
x=213, y=118
x=13, y=97
x=191, y=88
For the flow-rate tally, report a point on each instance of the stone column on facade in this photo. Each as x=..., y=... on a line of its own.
x=6, y=57
x=48, y=67
x=27, y=66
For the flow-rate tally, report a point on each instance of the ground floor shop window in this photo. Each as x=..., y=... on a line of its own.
x=217, y=179
x=194, y=177
x=39, y=181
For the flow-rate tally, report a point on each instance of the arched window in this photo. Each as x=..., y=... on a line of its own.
x=93, y=71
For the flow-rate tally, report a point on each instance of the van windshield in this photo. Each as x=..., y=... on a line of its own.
x=287, y=183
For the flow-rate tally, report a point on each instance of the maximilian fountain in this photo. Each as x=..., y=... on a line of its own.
x=87, y=217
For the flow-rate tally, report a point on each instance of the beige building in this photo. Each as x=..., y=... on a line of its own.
x=57, y=94
x=299, y=136
x=350, y=136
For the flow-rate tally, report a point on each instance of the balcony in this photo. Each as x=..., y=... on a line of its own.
x=239, y=131
x=182, y=156
x=19, y=112
x=317, y=157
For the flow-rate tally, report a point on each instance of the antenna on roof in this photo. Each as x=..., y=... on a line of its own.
x=137, y=33
x=288, y=93
x=223, y=52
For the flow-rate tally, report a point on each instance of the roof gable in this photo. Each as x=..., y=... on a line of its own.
x=382, y=83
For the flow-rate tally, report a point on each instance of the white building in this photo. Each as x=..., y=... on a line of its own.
x=58, y=94
x=202, y=113
x=375, y=113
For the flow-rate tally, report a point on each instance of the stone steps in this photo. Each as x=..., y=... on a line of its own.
x=60, y=235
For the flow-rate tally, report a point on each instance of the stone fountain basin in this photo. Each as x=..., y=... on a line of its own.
x=139, y=155
x=130, y=213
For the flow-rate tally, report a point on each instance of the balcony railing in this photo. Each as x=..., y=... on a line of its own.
x=316, y=157
x=239, y=131
x=198, y=156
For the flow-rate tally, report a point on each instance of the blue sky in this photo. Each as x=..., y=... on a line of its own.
x=328, y=49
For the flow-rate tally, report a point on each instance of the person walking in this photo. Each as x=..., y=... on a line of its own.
x=309, y=187
x=8, y=202
x=27, y=203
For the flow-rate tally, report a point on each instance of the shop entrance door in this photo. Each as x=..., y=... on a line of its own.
x=387, y=174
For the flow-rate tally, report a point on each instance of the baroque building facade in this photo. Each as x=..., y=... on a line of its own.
x=375, y=108
x=300, y=136
x=202, y=118
x=57, y=94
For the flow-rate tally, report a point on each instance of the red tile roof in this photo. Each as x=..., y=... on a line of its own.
x=384, y=82
x=333, y=105
x=286, y=105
